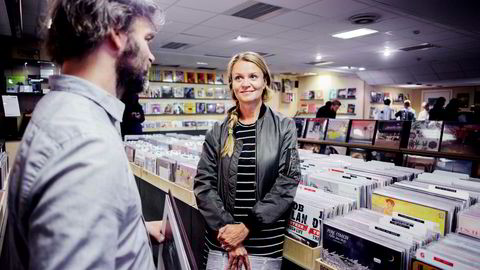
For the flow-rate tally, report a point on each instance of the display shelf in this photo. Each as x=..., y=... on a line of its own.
x=347, y=98
x=188, y=83
x=173, y=129
x=394, y=150
x=185, y=99
x=183, y=194
x=320, y=265
x=303, y=99
x=300, y=254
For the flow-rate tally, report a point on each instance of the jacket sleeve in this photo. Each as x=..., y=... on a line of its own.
x=280, y=197
x=205, y=185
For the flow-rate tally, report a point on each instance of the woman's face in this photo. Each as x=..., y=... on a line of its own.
x=248, y=82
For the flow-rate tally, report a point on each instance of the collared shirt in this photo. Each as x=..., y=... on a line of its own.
x=386, y=113
x=73, y=201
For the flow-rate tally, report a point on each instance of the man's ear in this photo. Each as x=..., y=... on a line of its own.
x=117, y=40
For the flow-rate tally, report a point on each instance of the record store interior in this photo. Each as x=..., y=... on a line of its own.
x=259, y=134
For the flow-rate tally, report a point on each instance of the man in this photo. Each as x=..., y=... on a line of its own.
x=329, y=110
x=386, y=113
x=73, y=201
x=423, y=115
x=407, y=113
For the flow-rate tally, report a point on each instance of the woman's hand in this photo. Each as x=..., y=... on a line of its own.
x=154, y=230
x=238, y=257
x=232, y=235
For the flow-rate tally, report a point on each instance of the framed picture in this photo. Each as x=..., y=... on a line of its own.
x=352, y=93
x=277, y=86
x=175, y=252
x=342, y=93
x=287, y=85
x=430, y=96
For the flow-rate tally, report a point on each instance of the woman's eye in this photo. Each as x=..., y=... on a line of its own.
x=237, y=78
x=253, y=76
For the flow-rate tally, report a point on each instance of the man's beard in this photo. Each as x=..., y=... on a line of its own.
x=131, y=79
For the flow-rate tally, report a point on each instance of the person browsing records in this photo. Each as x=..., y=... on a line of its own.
x=329, y=110
x=407, y=113
x=385, y=113
x=248, y=171
x=73, y=200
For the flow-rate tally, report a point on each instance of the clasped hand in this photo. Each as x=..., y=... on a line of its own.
x=231, y=238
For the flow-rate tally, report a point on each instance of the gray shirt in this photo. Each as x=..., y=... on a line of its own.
x=73, y=201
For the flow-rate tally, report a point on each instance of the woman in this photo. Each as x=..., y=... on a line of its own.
x=249, y=170
x=423, y=115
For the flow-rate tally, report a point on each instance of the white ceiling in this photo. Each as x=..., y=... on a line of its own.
x=304, y=30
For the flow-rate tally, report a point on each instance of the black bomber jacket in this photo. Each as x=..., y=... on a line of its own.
x=277, y=173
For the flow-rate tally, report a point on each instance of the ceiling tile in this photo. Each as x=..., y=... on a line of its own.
x=422, y=27
x=206, y=31
x=187, y=15
x=184, y=38
x=294, y=35
x=265, y=28
x=294, y=19
x=210, y=5
x=426, y=77
x=333, y=8
x=175, y=27
x=295, y=4
x=228, y=22
x=391, y=24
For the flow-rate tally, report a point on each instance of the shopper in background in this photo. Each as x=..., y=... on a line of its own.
x=386, y=113
x=438, y=112
x=423, y=115
x=133, y=115
x=452, y=110
x=329, y=110
x=249, y=170
x=407, y=113
x=73, y=202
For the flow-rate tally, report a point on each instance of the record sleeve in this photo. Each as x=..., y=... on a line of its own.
x=461, y=138
x=189, y=92
x=168, y=108
x=178, y=108
x=427, y=164
x=362, y=131
x=167, y=91
x=200, y=107
x=315, y=128
x=179, y=76
x=210, y=78
x=210, y=93
x=312, y=108
x=351, y=93
x=339, y=150
x=168, y=76
x=157, y=108
x=220, y=93
x=211, y=107
x=300, y=124
x=451, y=165
x=389, y=134
x=178, y=92
x=189, y=107
x=337, y=130
x=425, y=135
x=201, y=77
x=360, y=153
x=220, y=108
x=191, y=78
x=342, y=93
x=332, y=94
x=199, y=92
x=219, y=78
x=351, y=108
x=319, y=94
x=376, y=97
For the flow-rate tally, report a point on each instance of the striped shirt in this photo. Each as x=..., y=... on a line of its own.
x=269, y=241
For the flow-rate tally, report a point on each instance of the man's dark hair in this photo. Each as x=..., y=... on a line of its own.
x=78, y=27
x=387, y=101
x=336, y=102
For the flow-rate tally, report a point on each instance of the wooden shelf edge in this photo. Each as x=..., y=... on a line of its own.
x=300, y=254
x=320, y=265
x=183, y=194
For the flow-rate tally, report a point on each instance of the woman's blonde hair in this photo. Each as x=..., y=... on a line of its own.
x=259, y=61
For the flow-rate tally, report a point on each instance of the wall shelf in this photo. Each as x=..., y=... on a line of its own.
x=185, y=114
x=346, y=114
x=212, y=84
x=185, y=99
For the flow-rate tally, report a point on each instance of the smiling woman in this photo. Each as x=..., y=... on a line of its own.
x=248, y=172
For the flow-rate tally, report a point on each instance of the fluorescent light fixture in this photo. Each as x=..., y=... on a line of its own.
x=309, y=74
x=361, y=68
x=355, y=33
x=202, y=63
x=318, y=57
x=241, y=38
x=324, y=63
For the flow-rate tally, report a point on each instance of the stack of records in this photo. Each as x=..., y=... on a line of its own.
x=310, y=208
x=454, y=251
x=453, y=183
x=469, y=221
x=365, y=239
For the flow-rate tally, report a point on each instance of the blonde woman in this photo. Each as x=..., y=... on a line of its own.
x=248, y=172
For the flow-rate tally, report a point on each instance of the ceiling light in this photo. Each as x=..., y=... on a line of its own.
x=324, y=63
x=241, y=38
x=361, y=68
x=387, y=52
x=309, y=74
x=202, y=63
x=318, y=57
x=49, y=23
x=355, y=33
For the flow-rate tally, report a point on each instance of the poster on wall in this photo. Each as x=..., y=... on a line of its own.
x=287, y=85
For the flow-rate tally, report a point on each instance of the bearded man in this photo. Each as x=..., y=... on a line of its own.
x=73, y=201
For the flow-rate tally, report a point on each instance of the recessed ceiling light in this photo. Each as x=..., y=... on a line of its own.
x=49, y=23
x=361, y=68
x=387, y=51
x=318, y=57
x=202, y=63
x=355, y=33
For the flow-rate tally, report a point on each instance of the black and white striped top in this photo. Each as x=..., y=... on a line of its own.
x=267, y=242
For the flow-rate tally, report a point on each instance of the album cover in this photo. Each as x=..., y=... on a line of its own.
x=190, y=107
x=400, y=98
x=211, y=107
x=334, y=150
x=363, y=251
x=287, y=85
x=200, y=107
x=310, y=95
x=168, y=108
x=425, y=135
x=461, y=138
x=191, y=78
x=384, y=156
x=337, y=130
x=210, y=93
x=157, y=92
x=185, y=174
x=419, y=265
x=376, y=97
x=277, y=86
x=319, y=94
x=219, y=78
x=360, y=153
x=201, y=78
x=305, y=223
x=189, y=92
x=179, y=76
x=220, y=93
x=210, y=78
x=362, y=131
x=178, y=92
x=351, y=109
x=333, y=94
x=178, y=108
x=451, y=165
x=312, y=108
x=388, y=206
x=300, y=124
x=199, y=92
x=389, y=134
x=352, y=93
x=315, y=148
x=315, y=128
x=167, y=91
x=168, y=76
x=157, y=108
x=220, y=108
x=426, y=164
x=342, y=93
x=303, y=108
